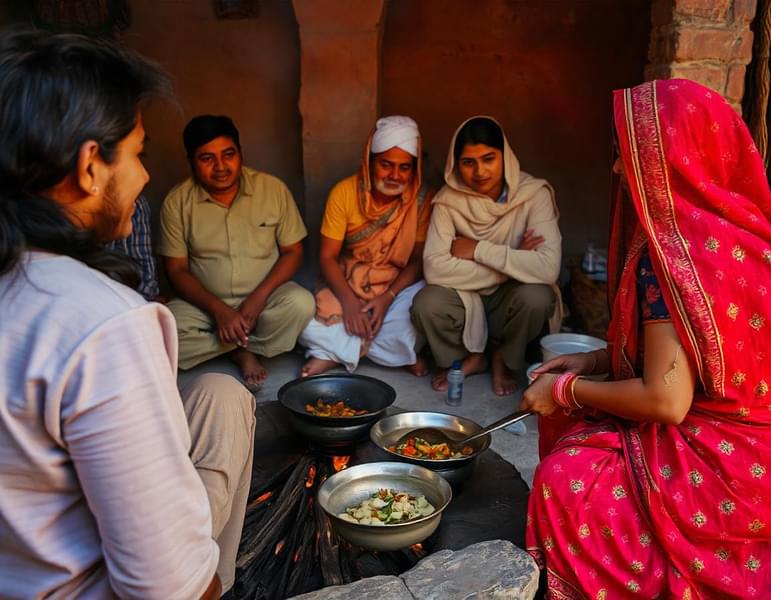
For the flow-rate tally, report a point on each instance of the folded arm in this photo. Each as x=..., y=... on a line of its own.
x=442, y=268
x=540, y=265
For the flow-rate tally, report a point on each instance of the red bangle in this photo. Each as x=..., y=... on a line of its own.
x=559, y=390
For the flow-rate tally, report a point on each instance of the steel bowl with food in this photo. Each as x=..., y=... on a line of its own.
x=388, y=430
x=350, y=487
x=357, y=392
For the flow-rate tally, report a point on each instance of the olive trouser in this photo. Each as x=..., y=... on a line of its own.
x=288, y=310
x=220, y=416
x=516, y=314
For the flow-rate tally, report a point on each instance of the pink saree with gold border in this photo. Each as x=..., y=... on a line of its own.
x=622, y=509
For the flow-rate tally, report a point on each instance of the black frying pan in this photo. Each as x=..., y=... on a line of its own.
x=357, y=391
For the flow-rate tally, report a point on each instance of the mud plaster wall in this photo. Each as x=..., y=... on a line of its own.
x=545, y=70
x=248, y=69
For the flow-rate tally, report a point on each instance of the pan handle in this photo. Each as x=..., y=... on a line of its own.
x=499, y=424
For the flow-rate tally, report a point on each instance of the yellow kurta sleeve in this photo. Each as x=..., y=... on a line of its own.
x=341, y=209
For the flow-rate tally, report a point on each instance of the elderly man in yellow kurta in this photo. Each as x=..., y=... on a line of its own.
x=372, y=236
x=232, y=240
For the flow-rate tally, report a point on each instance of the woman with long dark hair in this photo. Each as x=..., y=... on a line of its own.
x=99, y=496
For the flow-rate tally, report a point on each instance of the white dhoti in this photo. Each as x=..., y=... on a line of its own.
x=394, y=345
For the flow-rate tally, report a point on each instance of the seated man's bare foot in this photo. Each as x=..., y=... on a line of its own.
x=473, y=364
x=316, y=366
x=504, y=382
x=439, y=380
x=251, y=368
x=420, y=368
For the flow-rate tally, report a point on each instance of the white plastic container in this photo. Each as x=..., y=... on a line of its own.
x=567, y=343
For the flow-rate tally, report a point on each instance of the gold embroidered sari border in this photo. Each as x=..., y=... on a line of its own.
x=669, y=243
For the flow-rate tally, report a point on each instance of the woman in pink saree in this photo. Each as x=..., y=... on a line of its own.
x=665, y=492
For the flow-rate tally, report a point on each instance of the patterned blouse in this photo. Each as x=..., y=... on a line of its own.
x=652, y=307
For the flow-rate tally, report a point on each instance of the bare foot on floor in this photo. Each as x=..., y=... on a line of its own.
x=317, y=366
x=504, y=382
x=472, y=365
x=420, y=368
x=252, y=371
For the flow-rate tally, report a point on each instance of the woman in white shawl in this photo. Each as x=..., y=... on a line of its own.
x=492, y=257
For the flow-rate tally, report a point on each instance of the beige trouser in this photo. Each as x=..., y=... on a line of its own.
x=286, y=313
x=516, y=313
x=220, y=415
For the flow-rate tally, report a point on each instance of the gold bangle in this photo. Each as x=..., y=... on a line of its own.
x=578, y=405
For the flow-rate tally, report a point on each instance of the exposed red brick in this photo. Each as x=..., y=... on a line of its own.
x=734, y=89
x=712, y=77
x=702, y=44
x=744, y=10
x=715, y=10
x=743, y=49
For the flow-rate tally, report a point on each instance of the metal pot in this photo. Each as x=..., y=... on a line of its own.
x=455, y=470
x=555, y=344
x=351, y=486
x=358, y=391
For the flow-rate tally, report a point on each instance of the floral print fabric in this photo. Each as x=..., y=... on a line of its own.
x=622, y=509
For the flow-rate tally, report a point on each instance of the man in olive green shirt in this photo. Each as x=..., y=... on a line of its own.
x=232, y=240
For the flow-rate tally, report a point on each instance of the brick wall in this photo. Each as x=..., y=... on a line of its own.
x=708, y=41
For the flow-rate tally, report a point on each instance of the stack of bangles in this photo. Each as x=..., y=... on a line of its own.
x=563, y=391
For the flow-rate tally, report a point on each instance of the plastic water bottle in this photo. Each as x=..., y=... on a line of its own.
x=455, y=384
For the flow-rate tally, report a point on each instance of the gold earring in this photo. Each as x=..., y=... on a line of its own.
x=94, y=190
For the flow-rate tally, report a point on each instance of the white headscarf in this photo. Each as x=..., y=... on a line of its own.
x=395, y=132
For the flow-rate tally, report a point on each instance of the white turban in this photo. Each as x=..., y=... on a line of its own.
x=395, y=132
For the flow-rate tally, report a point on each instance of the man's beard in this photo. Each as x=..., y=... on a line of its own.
x=107, y=222
x=386, y=190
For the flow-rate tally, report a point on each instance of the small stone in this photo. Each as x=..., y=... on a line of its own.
x=493, y=569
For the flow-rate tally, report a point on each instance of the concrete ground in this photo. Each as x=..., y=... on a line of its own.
x=413, y=393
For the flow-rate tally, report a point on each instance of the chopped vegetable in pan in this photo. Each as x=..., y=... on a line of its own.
x=420, y=448
x=333, y=409
x=388, y=507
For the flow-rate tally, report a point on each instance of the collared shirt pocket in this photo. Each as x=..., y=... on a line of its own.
x=261, y=239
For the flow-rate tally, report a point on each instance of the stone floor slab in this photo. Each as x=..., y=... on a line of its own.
x=487, y=570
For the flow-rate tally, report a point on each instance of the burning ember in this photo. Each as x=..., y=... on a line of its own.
x=340, y=462
x=311, y=476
